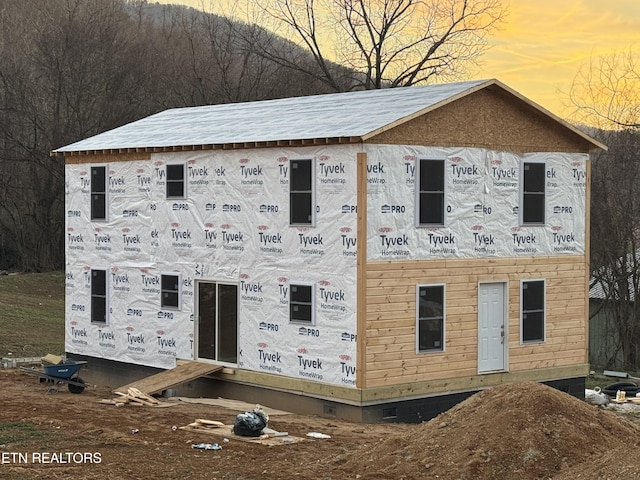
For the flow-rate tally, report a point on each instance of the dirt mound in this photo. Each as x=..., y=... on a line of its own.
x=526, y=430
x=521, y=431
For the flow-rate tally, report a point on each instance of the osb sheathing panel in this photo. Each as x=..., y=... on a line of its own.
x=490, y=118
x=106, y=158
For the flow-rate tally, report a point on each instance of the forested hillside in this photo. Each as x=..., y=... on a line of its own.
x=72, y=69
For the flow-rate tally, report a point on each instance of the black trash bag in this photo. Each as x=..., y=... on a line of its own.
x=250, y=424
x=630, y=389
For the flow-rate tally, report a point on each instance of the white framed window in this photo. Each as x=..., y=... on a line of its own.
x=99, y=291
x=170, y=291
x=176, y=180
x=430, y=318
x=302, y=303
x=99, y=184
x=302, y=192
x=430, y=192
x=532, y=311
x=533, y=195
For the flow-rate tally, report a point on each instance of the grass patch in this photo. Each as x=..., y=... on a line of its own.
x=593, y=381
x=19, y=434
x=33, y=313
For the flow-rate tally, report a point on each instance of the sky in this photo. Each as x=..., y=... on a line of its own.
x=542, y=44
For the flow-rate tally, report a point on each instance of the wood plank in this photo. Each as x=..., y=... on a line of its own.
x=184, y=372
x=298, y=386
x=395, y=309
x=391, y=332
x=587, y=249
x=424, y=361
x=408, y=292
x=385, y=279
x=384, y=388
x=409, y=339
x=421, y=373
x=213, y=423
x=563, y=350
x=141, y=401
x=398, y=322
x=461, y=353
x=491, y=265
x=568, y=335
x=456, y=299
x=396, y=348
x=361, y=268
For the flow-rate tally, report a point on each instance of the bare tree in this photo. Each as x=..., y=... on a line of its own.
x=388, y=43
x=606, y=94
x=221, y=60
x=606, y=91
x=615, y=246
x=68, y=69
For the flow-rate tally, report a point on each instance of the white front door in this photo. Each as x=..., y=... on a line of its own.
x=492, y=344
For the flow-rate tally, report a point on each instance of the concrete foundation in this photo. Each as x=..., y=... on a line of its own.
x=115, y=374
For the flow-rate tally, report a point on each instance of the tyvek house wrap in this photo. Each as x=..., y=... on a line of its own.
x=482, y=200
x=233, y=227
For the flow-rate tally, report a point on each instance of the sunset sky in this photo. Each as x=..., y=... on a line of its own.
x=543, y=43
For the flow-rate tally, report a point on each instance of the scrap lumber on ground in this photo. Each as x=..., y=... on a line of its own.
x=203, y=424
x=133, y=397
x=269, y=436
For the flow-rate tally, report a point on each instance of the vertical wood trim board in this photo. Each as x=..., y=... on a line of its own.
x=361, y=266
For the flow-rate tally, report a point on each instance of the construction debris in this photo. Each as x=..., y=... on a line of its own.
x=185, y=371
x=269, y=437
x=133, y=397
x=50, y=359
x=203, y=424
x=207, y=446
x=595, y=396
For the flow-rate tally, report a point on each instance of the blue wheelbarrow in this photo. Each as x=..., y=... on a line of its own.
x=56, y=375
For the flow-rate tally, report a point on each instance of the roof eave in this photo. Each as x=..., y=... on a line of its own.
x=217, y=146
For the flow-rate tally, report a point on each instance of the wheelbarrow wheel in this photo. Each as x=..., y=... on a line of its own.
x=76, y=388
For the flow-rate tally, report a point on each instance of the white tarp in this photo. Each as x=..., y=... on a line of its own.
x=233, y=227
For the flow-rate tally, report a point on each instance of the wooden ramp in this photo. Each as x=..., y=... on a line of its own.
x=185, y=371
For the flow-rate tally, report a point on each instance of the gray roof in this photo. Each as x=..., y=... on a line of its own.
x=354, y=116
x=596, y=291
x=606, y=282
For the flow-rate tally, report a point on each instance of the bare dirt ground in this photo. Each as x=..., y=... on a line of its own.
x=524, y=431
